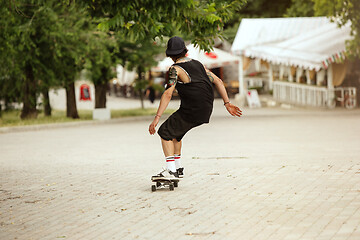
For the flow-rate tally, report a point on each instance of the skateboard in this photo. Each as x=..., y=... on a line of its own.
x=162, y=183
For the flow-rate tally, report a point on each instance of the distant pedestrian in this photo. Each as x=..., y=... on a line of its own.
x=150, y=93
x=194, y=84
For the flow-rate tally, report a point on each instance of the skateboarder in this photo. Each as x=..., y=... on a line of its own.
x=194, y=84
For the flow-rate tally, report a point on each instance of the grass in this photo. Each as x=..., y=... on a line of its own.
x=12, y=118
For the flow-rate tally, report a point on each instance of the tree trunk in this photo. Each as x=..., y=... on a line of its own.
x=100, y=95
x=101, y=89
x=29, y=94
x=141, y=98
x=71, y=109
x=46, y=102
x=140, y=78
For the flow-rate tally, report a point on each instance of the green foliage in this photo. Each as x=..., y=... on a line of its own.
x=148, y=19
x=70, y=43
x=158, y=87
x=139, y=55
x=137, y=112
x=9, y=69
x=99, y=57
x=12, y=118
x=44, y=36
x=231, y=31
x=141, y=84
x=254, y=9
x=300, y=8
x=343, y=12
x=264, y=9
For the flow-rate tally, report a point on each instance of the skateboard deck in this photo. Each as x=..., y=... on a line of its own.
x=163, y=183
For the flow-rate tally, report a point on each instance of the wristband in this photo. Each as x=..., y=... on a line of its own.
x=157, y=116
x=226, y=103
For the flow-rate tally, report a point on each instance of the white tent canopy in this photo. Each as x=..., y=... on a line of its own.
x=311, y=43
x=258, y=31
x=215, y=59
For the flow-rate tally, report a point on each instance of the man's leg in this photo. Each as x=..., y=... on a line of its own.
x=168, y=148
x=177, y=156
x=177, y=147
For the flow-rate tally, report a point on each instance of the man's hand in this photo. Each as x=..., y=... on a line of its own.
x=233, y=110
x=153, y=125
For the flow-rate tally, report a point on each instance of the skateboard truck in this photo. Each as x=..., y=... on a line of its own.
x=162, y=183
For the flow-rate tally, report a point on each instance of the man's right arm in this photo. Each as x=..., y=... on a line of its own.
x=232, y=109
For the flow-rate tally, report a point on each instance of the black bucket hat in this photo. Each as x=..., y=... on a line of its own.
x=175, y=46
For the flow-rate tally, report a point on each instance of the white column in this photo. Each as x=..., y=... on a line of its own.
x=271, y=77
x=298, y=74
x=282, y=70
x=258, y=64
x=290, y=76
x=320, y=76
x=240, y=98
x=308, y=80
x=241, y=77
x=330, y=83
x=330, y=87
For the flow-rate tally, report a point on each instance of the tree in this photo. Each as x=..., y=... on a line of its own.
x=22, y=34
x=63, y=53
x=9, y=70
x=139, y=55
x=101, y=56
x=343, y=12
x=43, y=41
x=203, y=20
x=99, y=63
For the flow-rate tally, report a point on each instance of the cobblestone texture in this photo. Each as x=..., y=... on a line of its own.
x=273, y=174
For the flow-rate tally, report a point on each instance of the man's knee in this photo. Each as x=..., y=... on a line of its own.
x=165, y=140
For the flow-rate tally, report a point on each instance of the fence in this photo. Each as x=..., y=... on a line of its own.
x=316, y=96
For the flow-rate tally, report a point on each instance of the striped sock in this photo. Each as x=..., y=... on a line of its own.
x=177, y=161
x=170, y=163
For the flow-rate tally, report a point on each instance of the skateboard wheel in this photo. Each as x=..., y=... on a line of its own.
x=176, y=184
x=153, y=188
x=171, y=187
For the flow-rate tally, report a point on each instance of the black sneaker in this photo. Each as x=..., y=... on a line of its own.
x=176, y=174
x=180, y=172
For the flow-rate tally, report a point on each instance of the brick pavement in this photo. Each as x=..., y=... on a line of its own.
x=274, y=174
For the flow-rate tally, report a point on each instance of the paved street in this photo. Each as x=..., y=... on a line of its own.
x=273, y=174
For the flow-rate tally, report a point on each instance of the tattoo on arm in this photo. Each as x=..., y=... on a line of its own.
x=172, y=77
x=211, y=78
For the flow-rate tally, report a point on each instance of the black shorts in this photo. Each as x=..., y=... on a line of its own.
x=175, y=127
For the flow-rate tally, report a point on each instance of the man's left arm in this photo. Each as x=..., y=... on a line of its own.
x=231, y=108
x=165, y=99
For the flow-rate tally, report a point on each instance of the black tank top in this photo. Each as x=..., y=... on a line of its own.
x=197, y=96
